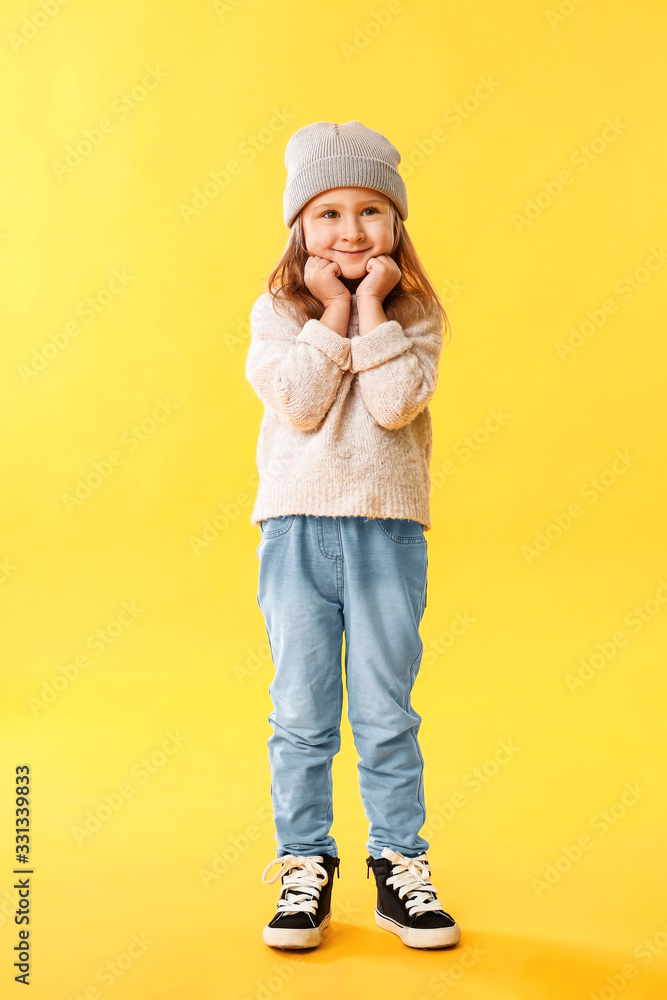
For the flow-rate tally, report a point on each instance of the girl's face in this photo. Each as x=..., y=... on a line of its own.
x=349, y=225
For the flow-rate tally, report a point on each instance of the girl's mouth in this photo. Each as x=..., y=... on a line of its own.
x=352, y=253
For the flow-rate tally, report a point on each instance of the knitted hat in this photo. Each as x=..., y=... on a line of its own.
x=326, y=155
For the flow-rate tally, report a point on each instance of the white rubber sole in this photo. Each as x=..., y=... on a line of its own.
x=295, y=937
x=417, y=937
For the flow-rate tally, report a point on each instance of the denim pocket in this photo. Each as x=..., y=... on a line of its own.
x=273, y=526
x=401, y=529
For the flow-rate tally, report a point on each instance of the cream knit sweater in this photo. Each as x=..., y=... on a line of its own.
x=346, y=428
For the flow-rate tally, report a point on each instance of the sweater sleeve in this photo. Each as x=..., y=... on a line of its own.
x=398, y=369
x=295, y=371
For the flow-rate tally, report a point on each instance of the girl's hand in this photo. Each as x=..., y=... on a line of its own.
x=320, y=276
x=383, y=274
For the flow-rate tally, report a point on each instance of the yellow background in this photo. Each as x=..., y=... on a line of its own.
x=192, y=660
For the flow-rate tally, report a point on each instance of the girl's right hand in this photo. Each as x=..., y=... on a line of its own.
x=321, y=278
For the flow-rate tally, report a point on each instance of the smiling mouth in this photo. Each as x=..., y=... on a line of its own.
x=353, y=253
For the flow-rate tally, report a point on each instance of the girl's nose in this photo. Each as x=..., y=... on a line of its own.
x=351, y=229
x=353, y=234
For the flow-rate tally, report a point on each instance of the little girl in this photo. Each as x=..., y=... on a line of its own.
x=344, y=354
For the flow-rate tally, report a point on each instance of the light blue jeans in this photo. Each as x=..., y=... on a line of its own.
x=367, y=577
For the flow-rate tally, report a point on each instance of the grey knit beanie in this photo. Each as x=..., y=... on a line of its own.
x=326, y=155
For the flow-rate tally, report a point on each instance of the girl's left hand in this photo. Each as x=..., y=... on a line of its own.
x=383, y=274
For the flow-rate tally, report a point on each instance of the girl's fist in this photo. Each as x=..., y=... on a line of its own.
x=383, y=274
x=321, y=278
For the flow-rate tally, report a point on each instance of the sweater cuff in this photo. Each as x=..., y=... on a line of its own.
x=320, y=335
x=386, y=341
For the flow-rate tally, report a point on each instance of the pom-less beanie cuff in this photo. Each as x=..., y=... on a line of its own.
x=326, y=155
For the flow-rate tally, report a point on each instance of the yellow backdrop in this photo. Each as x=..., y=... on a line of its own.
x=142, y=183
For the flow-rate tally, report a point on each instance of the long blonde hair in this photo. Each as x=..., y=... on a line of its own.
x=411, y=298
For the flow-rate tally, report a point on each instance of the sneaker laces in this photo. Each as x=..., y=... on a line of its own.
x=301, y=885
x=412, y=878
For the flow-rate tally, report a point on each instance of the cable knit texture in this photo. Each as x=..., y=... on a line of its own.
x=346, y=428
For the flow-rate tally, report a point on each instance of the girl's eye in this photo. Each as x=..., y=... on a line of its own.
x=332, y=211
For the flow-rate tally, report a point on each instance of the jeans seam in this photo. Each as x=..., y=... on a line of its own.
x=320, y=540
x=419, y=540
x=278, y=531
x=413, y=677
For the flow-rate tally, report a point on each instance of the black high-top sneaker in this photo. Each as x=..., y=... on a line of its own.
x=304, y=906
x=407, y=902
